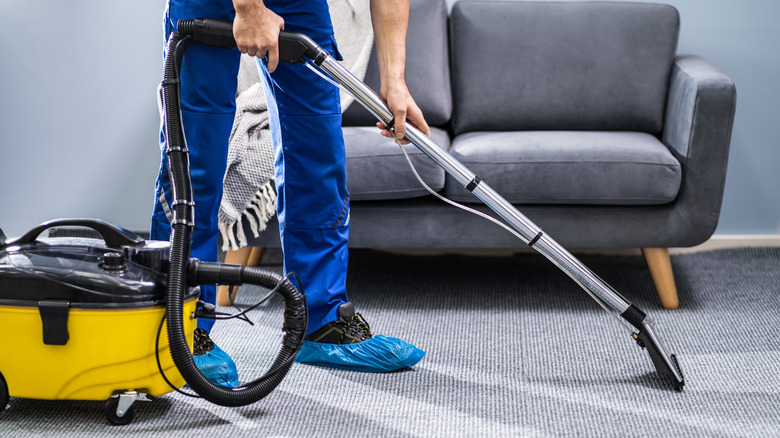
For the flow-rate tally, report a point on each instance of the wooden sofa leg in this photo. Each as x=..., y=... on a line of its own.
x=255, y=256
x=661, y=270
x=247, y=256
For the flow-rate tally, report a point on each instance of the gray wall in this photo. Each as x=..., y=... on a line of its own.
x=78, y=113
x=78, y=116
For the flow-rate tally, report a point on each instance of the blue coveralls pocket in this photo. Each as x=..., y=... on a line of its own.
x=314, y=188
x=313, y=208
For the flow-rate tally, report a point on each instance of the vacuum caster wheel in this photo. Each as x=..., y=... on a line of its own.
x=119, y=410
x=4, y=396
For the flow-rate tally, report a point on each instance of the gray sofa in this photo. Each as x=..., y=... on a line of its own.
x=581, y=114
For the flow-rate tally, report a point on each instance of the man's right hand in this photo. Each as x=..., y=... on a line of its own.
x=256, y=30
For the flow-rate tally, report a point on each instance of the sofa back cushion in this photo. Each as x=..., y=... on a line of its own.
x=427, y=66
x=520, y=65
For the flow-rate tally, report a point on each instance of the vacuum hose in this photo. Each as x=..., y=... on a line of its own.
x=211, y=273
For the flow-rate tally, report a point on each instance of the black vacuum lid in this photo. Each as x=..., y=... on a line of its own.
x=84, y=272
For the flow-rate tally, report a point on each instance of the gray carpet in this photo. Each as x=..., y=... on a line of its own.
x=514, y=349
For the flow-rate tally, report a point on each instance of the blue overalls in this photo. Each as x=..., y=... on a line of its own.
x=310, y=161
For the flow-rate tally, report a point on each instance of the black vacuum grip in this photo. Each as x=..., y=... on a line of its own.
x=293, y=46
x=219, y=33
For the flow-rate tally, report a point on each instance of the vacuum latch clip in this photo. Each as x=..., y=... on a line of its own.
x=54, y=315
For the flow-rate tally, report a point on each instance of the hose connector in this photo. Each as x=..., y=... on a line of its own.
x=211, y=32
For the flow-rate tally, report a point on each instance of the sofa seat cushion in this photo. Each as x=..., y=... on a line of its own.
x=377, y=168
x=569, y=167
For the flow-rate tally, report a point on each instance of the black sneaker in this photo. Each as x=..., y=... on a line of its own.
x=202, y=343
x=350, y=328
x=214, y=363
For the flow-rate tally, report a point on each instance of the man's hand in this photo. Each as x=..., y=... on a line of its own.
x=256, y=30
x=404, y=109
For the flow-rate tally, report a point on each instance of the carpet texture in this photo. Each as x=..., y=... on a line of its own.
x=514, y=348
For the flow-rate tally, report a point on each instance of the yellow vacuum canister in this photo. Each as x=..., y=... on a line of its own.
x=81, y=318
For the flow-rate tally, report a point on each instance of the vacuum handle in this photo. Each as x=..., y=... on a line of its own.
x=293, y=46
x=114, y=235
x=219, y=33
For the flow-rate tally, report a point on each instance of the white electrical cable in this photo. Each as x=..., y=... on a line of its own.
x=411, y=166
x=324, y=76
x=455, y=204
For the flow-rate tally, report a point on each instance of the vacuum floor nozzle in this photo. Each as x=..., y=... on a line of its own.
x=665, y=364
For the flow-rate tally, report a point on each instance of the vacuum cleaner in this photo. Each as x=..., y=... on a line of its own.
x=298, y=48
x=71, y=307
x=112, y=318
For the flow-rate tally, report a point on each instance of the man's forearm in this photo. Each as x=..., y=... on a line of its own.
x=390, y=19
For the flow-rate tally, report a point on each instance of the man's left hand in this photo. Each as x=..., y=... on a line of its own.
x=404, y=109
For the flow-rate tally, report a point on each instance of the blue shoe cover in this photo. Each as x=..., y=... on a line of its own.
x=379, y=354
x=218, y=367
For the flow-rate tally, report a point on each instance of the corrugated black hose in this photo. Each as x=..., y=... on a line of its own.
x=181, y=267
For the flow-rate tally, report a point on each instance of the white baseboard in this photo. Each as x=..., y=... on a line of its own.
x=724, y=241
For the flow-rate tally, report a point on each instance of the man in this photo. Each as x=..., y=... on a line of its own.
x=310, y=165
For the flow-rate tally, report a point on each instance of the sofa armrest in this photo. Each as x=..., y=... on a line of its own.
x=701, y=101
x=698, y=123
